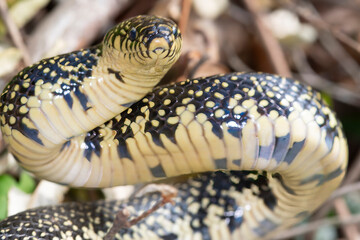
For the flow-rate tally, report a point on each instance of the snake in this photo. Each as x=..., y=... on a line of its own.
x=249, y=154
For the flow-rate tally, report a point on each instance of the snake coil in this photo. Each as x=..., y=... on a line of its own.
x=261, y=151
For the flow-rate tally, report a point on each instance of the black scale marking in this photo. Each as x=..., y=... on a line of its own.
x=280, y=152
x=34, y=73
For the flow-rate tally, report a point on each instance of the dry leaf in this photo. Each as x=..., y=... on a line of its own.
x=9, y=60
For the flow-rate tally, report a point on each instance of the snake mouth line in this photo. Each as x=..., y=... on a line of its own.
x=147, y=51
x=166, y=53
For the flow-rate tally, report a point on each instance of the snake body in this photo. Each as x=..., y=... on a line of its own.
x=261, y=151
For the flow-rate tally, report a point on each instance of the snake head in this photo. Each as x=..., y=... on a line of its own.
x=144, y=44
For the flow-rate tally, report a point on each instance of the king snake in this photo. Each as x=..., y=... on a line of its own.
x=260, y=152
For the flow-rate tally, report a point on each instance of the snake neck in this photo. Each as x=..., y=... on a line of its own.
x=132, y=78
x=75, y=93
x=117, y=81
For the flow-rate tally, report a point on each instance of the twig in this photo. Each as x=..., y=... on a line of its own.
x=351, y=232
x=121, y=220
x=345, y=190
x=119, y=223
x=239, y=14
x=234, y=60
x=271, y=45
x=329, y=42
x=314, y=225
x=14, y=32
x=309, y=76
x=185, y=13
x=350, y=66
x=165, y=199
x=349, y=4
x=322, y=25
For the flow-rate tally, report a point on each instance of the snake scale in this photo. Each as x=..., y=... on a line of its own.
x=261, y=151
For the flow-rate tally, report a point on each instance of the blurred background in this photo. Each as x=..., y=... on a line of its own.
x=316, y=42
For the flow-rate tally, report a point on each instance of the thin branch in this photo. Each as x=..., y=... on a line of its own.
x=239, y=14
x=185, y=13
x=314, y=225
x=14, y=32
x=328, y=40
x=165, y=199
x=322, y=25
x=338, y=53
x=271, y=45
x=234, y=61
x=309, y=76
x=349, y=4
x=345, y=190
x=350, y=230
x=121, y=220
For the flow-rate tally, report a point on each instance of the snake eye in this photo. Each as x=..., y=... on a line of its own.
x=175, y=31
x=132, y=34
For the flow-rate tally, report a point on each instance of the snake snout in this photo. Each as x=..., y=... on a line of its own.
x=163, y=40
x=159, y=45
x=160, y=36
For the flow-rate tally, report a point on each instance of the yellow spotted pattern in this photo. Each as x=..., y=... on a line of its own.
x=91, y=118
